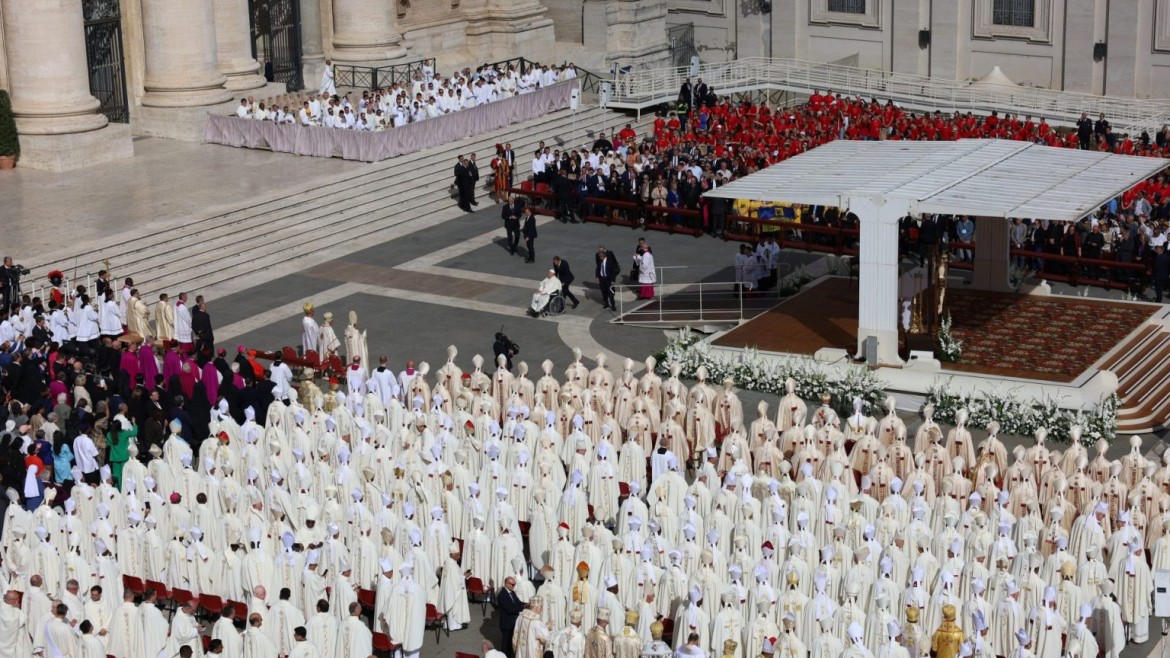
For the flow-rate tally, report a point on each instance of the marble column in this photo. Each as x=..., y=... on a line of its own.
x=181, y=68
x=48, y=74
x=233, y=36
x=365, y=32
x=992, y=254
x=877, y=312
x=636, y=33
x=312, y=46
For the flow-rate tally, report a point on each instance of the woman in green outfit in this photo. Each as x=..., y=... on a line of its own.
x=119, y=436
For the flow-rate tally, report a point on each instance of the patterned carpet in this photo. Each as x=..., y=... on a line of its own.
x=1049, y=338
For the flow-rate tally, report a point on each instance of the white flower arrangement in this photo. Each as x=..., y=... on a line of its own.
x=949, y=349
x=754, y=373
x=1021, y=418
x=1013, y=413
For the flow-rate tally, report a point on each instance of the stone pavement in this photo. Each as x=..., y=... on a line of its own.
x=165, y=181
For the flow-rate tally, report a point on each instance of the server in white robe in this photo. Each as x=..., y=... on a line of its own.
x=183, y=332
x=328, y=85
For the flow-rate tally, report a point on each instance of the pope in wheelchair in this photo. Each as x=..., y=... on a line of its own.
x=545, y=299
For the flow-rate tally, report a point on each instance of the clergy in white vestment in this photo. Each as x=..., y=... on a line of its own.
x=324, y=630
x=303, y=648
x=91, y=645
x=407, y=612
x=549, y=286
x=38, y=607
x=569, y=642
x=327, y=344
x=57, y=637
x=153, y=625
x=185, y=630
x=280, y=621
x=1135, y=587
x=453, y=591
x=310, y=331
x=355, y=639
x=125, y=630
x=257, y=643
x=164, y=318
x=356, y=343
x=225, y=631
x=531, y=636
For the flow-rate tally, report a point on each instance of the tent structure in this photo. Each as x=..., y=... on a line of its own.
x=882, y=182
x=995, y=77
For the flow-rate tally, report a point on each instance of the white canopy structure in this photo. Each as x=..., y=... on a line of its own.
x=995, y=77
x=882, y=182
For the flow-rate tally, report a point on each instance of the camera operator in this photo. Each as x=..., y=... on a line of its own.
x=505, y=346
x=10, y=281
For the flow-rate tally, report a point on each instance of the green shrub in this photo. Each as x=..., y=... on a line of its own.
x=9, y=141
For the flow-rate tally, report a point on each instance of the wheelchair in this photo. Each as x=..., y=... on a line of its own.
x=555, y=306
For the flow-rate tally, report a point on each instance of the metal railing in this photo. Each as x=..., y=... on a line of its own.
x=707, y=301
x=644, y=88
x=590, y=81
x=367, y=77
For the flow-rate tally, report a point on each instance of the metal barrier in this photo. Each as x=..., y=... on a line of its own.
x=366, y=77
x=638, y=89
x=720, y=301
x=841, y=241
x=590, y=81
x=835, y=240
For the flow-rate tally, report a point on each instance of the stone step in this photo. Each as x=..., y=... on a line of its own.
x=320, y=214
x=122, y=250
x=282, y=249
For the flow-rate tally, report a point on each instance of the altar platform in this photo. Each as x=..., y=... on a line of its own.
x=1043, y=346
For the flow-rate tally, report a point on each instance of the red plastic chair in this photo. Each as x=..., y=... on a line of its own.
x=368, y=598
x=477, y=592
x=383, y=647
x=668, y=629
x=525, y=526
x=206, y=643
x=623, y=490
x=240, y=608
x=210, y=605
x=134, y=584
x=461, y=654
x=437, y=620
x=181, y=596
x=160, y=590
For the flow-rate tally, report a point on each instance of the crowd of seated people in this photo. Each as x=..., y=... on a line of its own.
x=424, y=97
x=712, y=140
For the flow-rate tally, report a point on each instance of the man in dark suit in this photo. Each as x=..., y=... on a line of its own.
x=201, y=327
x=511, y=213
x=565, y=275
x=473, y=169
x=529, y=231
x=510, y=607
x=607, y=272
x=463, y=184
x=1161, y=271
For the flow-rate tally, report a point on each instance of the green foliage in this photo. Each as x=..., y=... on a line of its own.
x=9, y=141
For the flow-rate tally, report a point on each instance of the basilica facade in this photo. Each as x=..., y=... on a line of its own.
x=87, y=75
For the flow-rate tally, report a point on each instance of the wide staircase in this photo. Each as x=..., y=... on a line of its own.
x=1142, y=366
x=321, y=219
